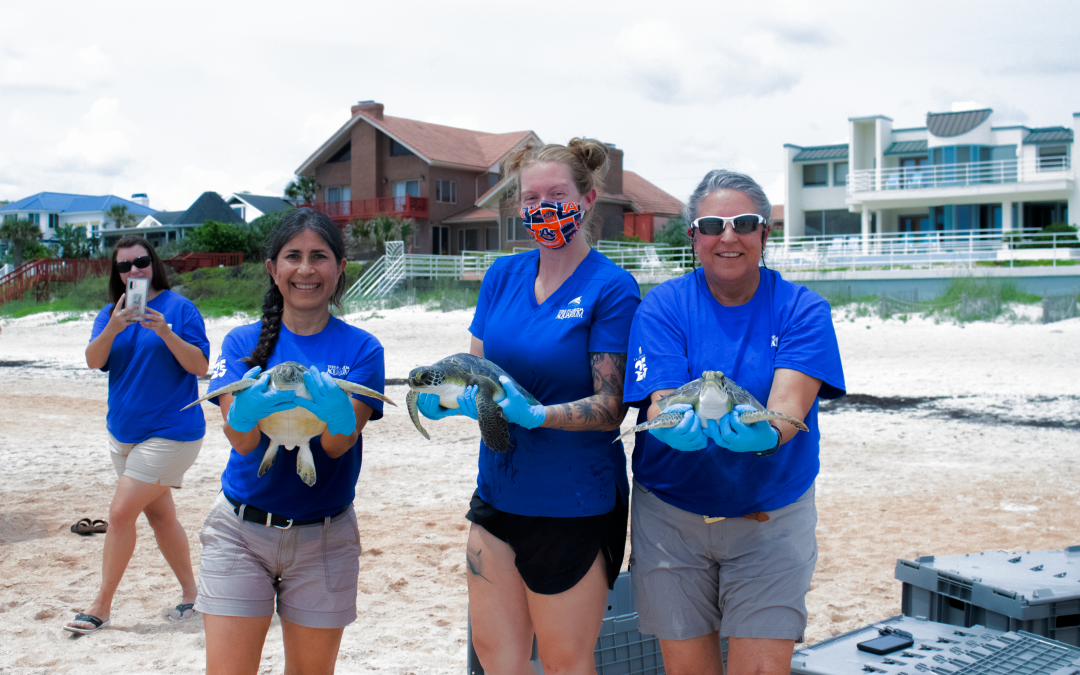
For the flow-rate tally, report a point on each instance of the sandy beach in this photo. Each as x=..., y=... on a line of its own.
x=955, y=439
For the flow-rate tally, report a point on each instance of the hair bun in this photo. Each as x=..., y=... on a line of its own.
x=593, y=153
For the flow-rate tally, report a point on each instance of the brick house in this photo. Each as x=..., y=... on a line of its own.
x=448, y=180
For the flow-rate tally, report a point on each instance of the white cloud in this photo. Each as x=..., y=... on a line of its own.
x=100, y=145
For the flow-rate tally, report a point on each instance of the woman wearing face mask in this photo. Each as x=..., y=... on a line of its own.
x=549, y=517
x=271, y=541
x=153, y=361
x=723, y=525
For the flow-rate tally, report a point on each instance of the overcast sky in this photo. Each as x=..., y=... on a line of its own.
x=124, y=97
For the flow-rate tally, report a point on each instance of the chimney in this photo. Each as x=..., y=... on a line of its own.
x=613, y=183
x=370, y=108
x=141, y=199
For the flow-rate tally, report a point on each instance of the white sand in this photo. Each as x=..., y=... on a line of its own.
x=893, y=484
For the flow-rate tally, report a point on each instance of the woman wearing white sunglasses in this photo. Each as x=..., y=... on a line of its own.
x=723, y=513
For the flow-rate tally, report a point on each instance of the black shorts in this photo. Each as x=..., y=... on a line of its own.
x=553, y=554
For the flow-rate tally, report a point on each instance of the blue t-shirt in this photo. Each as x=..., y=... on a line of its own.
x=681, y=331
x=347, y=353
x=546, y=348
x=147, y=385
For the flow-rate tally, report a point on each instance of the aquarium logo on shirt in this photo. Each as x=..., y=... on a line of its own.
x=639, y=366
x=338, y=371
x=574, y=310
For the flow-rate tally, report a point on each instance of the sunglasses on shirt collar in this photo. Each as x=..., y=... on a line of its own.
x=124, y=266
x=742, y=224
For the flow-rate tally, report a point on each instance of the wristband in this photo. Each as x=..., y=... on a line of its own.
x=779, y=440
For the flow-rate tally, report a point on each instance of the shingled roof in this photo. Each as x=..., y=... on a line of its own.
x=947, y=125
x=61, y=202
x=209, y=206
x=647, y=198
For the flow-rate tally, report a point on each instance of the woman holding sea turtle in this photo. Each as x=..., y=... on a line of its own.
x=274, y=539
x=153, y=361
x=549, y=517
x=723, y=512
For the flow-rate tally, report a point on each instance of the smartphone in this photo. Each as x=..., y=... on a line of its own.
x=136, y=295
x=886, y=644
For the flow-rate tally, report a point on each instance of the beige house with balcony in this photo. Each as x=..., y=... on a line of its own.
x=957, y=173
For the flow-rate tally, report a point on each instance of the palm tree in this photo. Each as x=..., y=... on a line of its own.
x=121, y=217
x=19, y=234
x=302, y=190
x=381, y=229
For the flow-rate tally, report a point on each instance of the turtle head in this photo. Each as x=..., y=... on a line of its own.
x=288, y=372
x=713, y=378
x=425, y=377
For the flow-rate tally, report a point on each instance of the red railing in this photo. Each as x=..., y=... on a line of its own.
x=404, y=207
x=193, y=261
x=40, y=273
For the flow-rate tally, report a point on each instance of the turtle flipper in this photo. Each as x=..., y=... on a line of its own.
x=305, y=464
x=355, y=388
x=239, y=385
x=268, y=457
x=661, y=421
x=494, y=428
x=755, y=416
x=414, y=412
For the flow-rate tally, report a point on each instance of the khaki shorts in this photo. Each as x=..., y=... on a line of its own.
x=310, y=570
x=157, y=461
x=741, y=577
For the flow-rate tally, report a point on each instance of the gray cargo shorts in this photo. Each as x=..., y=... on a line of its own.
x=310, y=570
x=742, y=577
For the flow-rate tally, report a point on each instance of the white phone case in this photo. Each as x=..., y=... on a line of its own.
x=136, y=294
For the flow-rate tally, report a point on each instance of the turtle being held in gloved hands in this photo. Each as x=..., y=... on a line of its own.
x=295, y=426
x=712, y=396
x=448, y=379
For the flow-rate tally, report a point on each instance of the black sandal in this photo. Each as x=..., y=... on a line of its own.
x=97, y=624
x=84, y=527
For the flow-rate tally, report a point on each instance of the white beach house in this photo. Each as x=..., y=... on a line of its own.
x=957, y=174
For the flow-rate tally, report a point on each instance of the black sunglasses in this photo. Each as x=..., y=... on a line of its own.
x=124, y=266
x=742, y=224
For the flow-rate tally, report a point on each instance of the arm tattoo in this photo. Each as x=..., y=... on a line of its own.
x=604, y=410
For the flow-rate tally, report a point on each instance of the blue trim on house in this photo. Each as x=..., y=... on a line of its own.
x=822, y=152
x=59, y=202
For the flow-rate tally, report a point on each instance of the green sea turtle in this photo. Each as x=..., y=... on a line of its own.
x=449, y=377
x=712, y=396
x=291, y=428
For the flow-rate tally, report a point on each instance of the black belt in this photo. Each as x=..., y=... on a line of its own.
x=257, y=515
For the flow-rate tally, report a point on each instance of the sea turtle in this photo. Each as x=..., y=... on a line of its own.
x=449, y=377
x=712, y=396
x=294, y=427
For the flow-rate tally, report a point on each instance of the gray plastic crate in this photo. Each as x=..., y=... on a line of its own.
x=620, y=649
x=1033, y=591
x=939, y=649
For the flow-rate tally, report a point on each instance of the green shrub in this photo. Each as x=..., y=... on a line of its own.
x=673, y=233
x=217, y=237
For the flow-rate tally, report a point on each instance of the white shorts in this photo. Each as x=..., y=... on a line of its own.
x=157, y=461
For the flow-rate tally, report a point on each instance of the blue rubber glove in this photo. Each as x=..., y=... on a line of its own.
x=429, y=406
x=329, y=402
x=687, y=435
x=517, y=409
x=739, y=437
x=257, y=401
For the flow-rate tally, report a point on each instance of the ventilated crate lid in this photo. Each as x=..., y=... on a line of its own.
x=1037, y=576
x=939, y=649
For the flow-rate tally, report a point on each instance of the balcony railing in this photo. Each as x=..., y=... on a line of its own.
x=958, y=175
x=403, y=207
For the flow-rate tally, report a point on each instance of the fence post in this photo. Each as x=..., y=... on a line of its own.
x=963, y=306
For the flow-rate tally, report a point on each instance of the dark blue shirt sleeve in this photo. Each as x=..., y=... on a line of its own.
x=369, y=370
x=482, y=303
x=610, y=328
x=194, y=330
x=100, y=321
x=657, y=358
x=228, y=368
x=808, y=345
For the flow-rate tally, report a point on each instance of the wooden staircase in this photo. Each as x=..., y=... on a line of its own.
x=38, y=274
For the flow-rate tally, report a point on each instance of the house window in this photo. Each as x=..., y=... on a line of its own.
x=440, y=240
x=34, y=218
x=446, y=191
x=342, y=155
x=398, y=150
x=338, y=194
x=54, y=220
x=239, y=208
x=1053, y=157
x=840, y=173
x=815, y=174
x=467, y=240
x=515, y=229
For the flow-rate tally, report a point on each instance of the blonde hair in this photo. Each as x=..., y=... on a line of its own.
x=586, y=158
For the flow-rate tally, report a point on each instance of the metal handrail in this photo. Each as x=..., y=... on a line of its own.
x=957, y=175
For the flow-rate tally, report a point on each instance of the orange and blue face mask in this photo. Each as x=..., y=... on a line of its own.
x=553, y=224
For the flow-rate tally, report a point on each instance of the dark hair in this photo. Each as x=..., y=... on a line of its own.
x=290, y=227
x=586, y=158
x=722, y=179
x=159, y=281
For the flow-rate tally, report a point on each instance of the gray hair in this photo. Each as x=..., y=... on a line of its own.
x=722, y=179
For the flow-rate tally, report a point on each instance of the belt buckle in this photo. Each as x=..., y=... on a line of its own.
x=269, y=522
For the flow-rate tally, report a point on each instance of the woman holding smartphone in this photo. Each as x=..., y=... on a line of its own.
x=153, y=360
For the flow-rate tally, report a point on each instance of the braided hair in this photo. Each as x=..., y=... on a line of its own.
x=290, y=227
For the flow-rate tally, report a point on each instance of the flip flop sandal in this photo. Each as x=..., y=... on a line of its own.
x=97, y=624
x=182, y=608
x=100, y=526
x=84, y=527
